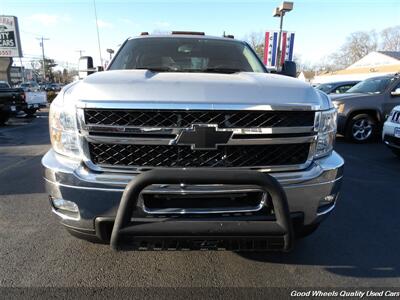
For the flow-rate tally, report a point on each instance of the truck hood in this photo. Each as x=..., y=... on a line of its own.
x=249, y=89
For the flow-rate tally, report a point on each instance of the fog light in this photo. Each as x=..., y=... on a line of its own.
x=327, y=200
x=65, y=205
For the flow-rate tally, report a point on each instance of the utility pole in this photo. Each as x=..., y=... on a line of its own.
x=278, y=62
x=42, y=39
x=22, y=70
x=80, y=52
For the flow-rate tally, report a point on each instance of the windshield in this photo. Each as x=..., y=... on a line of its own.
x=166, y=54
x=371, y=86
x=4, y=85
x=326, y=88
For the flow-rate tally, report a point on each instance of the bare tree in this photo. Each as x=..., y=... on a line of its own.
x=256, y=41
x=391, y=39
x=357, y=45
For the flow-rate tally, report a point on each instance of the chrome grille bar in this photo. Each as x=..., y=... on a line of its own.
x=158, y=136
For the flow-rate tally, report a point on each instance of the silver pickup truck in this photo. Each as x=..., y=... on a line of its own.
x=187, y=142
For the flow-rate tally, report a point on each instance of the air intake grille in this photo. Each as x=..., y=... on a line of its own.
x=184, y=156
x=184, y=119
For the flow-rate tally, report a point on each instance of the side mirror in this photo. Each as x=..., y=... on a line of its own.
x=289, y=69
x=396, y=92
x=85, y=66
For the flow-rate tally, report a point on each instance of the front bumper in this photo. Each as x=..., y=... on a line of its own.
x=388, y=136
x=98, y=195
x=36, y=105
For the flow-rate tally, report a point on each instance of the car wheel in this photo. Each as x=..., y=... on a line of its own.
x=4, y=118
x=361, y=128
x=30, y=111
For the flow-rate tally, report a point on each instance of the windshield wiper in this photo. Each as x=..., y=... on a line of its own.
x=221, y=70
x=207, y=70
x=157, y=69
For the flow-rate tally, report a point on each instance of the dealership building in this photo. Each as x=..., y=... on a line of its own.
x=373, y=64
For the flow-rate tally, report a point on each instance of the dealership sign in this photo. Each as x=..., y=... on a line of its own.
x=10, y=44
x=271, y=48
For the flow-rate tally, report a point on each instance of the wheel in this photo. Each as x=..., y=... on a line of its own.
x=30, y=111
x=4, y=116
x=396, y=151
x=305, y=230
x=362, y=128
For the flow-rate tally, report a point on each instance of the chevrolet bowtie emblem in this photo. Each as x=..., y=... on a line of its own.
x=204, y=137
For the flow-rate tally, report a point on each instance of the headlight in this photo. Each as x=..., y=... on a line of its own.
x=326, y=127
x=63, y=130
x=339, y=106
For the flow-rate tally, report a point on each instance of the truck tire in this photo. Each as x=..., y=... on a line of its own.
x=30, y=111
x=4, y=116
x=362, y=128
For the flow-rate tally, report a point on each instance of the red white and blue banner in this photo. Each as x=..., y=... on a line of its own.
x=271, y=48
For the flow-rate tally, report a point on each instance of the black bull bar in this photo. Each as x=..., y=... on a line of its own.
x=280, y=225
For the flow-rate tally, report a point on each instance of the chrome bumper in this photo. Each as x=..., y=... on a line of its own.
x=388, y=135
x=99, y=194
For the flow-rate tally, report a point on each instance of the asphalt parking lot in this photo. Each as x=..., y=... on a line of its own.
x=358, y=246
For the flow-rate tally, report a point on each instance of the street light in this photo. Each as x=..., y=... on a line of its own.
x=280, y=12
x=110, y=51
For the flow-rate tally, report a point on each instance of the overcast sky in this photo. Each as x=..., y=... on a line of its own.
x=320, y=26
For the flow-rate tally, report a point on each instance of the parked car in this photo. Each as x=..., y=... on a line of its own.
x=30, y=86
x=54, y=87
x=42, y=86
x=363, y=109
x=11, y=101
x=187, y=142
x=35, y=101
x=391, y=131
x=339, y=87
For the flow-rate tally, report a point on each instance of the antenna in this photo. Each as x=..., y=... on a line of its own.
x=98, y=34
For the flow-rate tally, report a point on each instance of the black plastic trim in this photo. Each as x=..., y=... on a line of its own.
x=124, y=226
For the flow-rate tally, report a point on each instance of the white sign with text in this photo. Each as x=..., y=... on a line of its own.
x=10, y=44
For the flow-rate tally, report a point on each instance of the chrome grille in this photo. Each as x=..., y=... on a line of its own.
x=396, y=117
x=184, y=156
x=140, y=139
x=184, y=119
